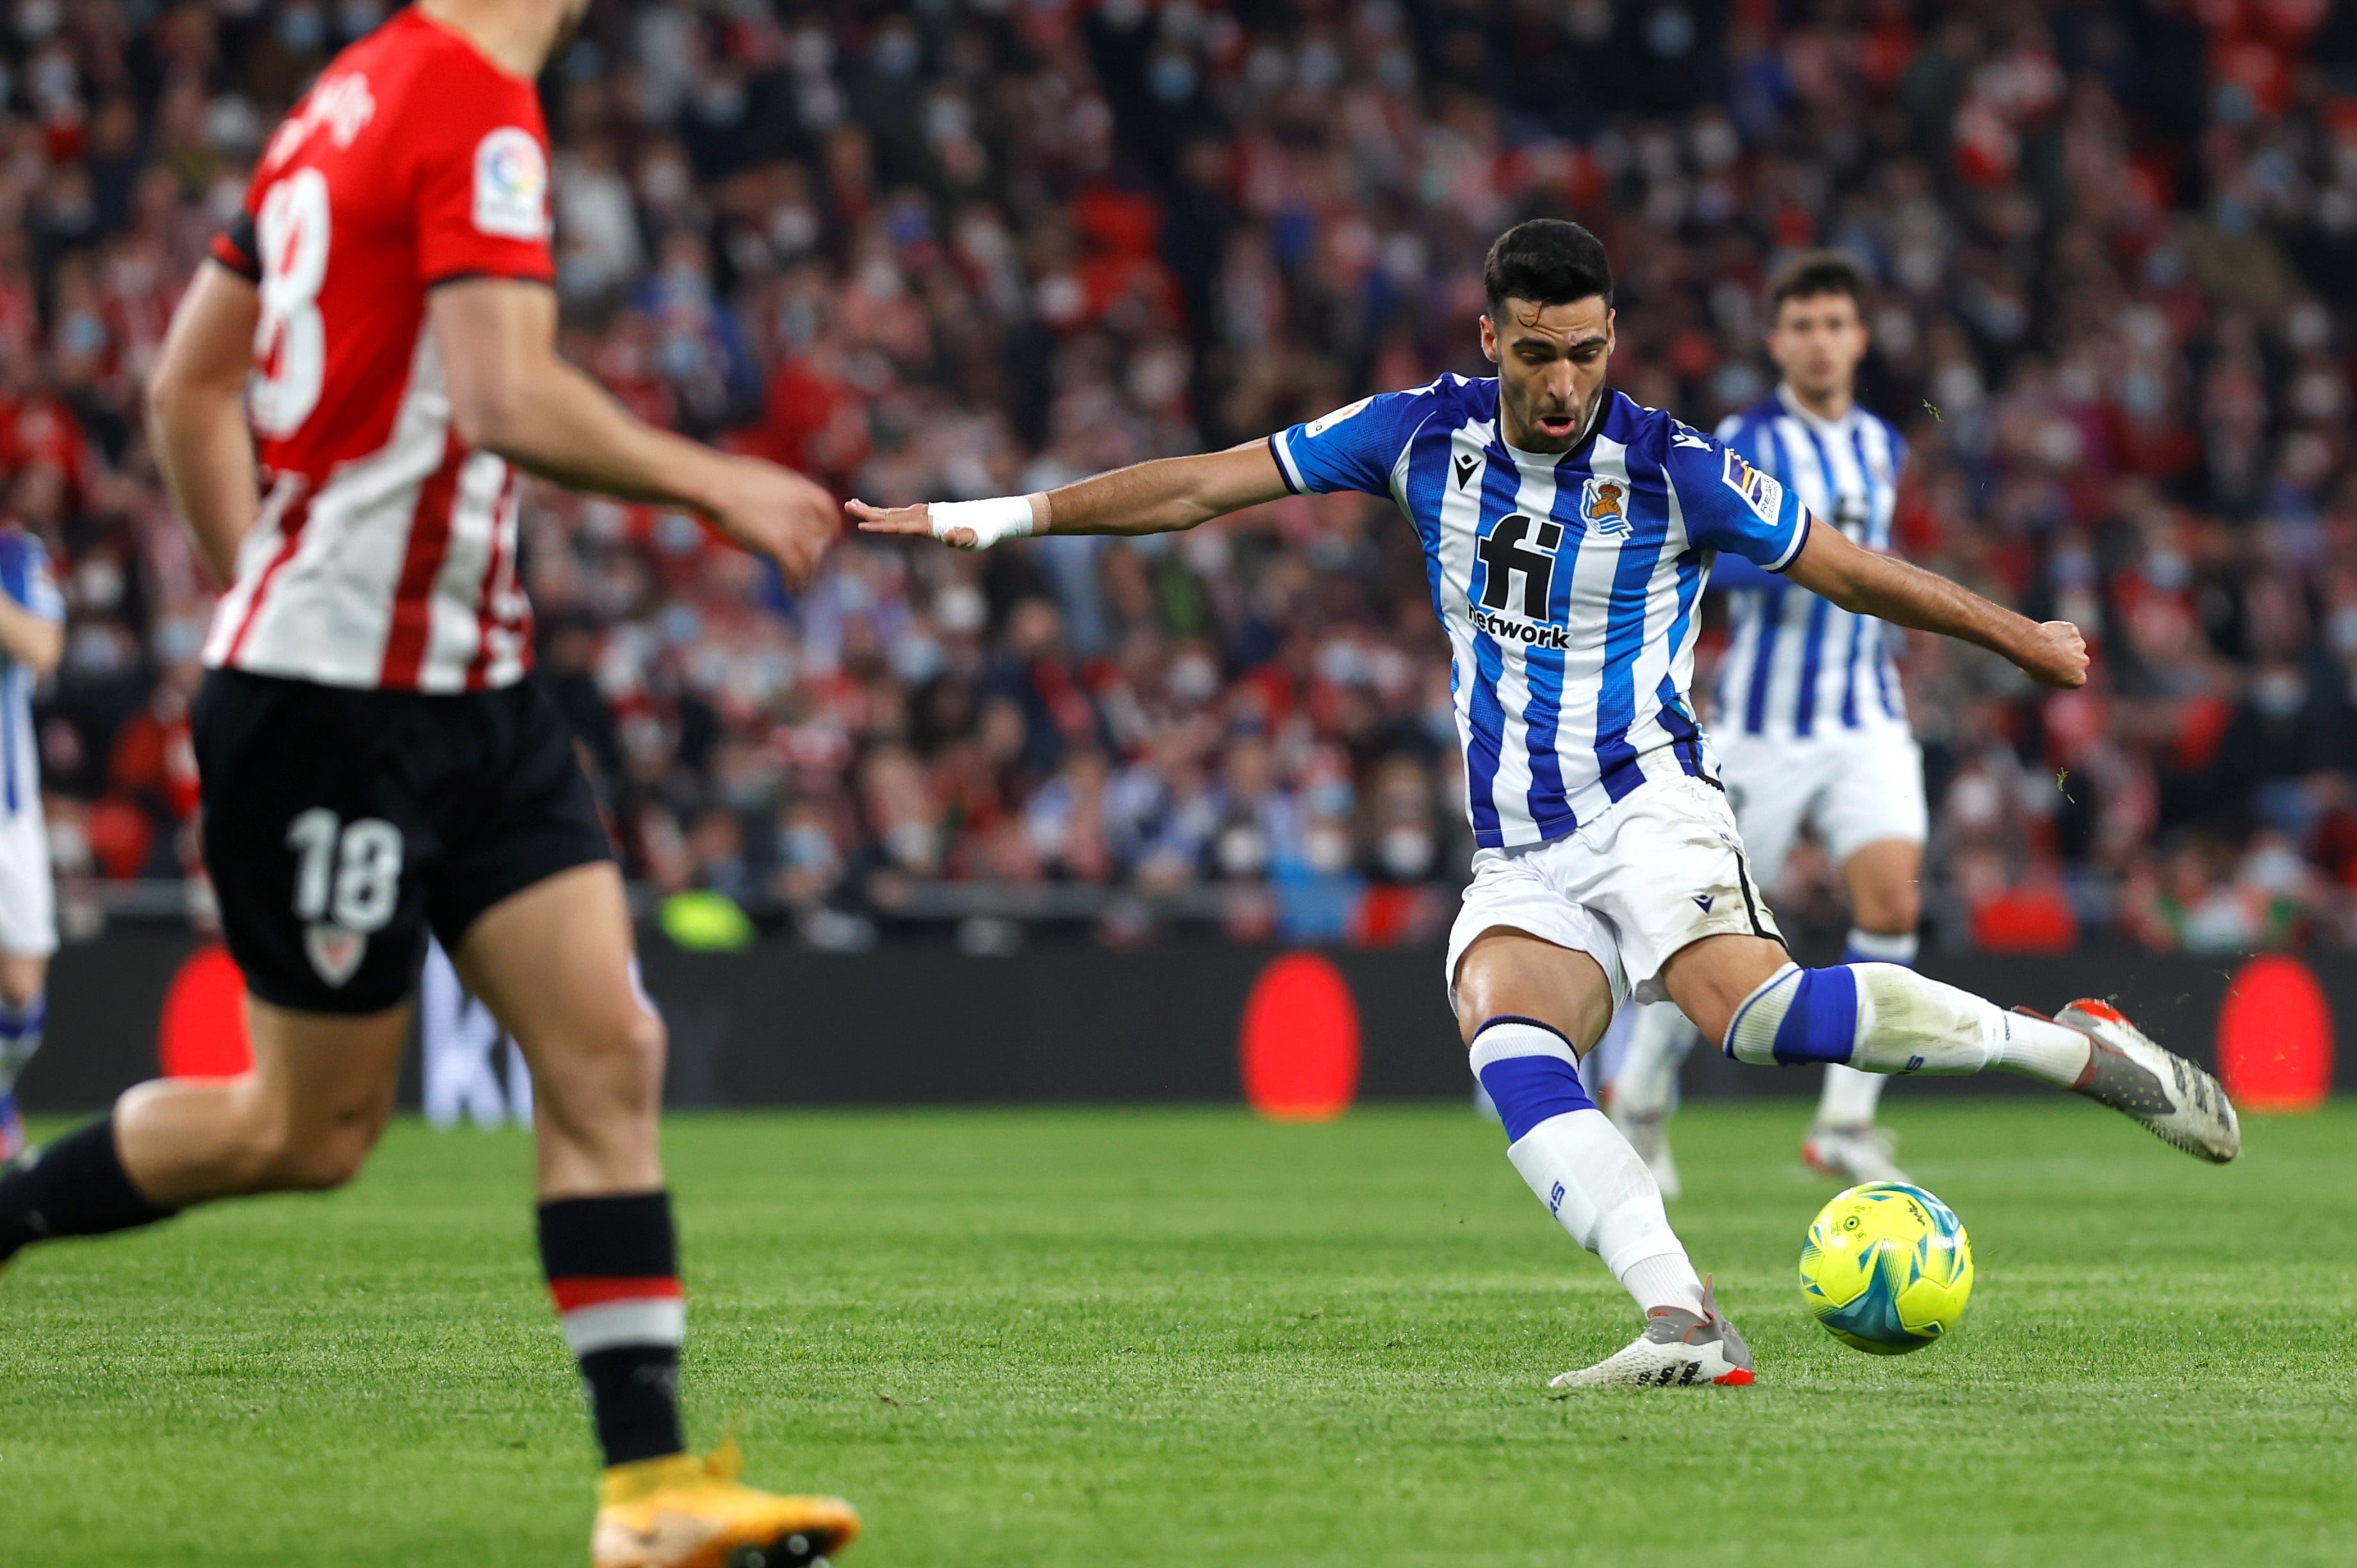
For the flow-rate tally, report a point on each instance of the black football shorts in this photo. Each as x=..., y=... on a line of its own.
x=341, y=825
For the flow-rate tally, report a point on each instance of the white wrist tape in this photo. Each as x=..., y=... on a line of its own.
x=1000, y=516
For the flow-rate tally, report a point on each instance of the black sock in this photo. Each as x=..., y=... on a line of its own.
x=74, y=1186
x=613, y=1268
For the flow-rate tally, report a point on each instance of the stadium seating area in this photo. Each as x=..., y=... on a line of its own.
x=963, y=247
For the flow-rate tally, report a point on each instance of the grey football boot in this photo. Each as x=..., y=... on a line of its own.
x=1680, y=1348
x=2177, y=1102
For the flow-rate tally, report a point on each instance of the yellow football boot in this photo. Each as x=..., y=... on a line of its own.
x=687, y=1512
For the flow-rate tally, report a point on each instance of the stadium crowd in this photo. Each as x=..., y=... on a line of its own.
x=955, y=248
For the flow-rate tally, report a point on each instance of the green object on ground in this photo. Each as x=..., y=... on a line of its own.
x=1115, y=1338
x=700, y=920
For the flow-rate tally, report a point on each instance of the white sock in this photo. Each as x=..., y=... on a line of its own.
x=1849, y=1097
x=1658, y=1044
x=1900, y=1022
x=1667, y=1280
x=1578, y=1163
x=2042, y=1049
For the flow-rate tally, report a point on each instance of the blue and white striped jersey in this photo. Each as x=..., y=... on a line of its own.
x=1566, y=583
x=24, y=578
x=1798, y=665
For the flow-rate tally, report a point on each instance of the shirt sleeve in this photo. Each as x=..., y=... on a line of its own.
x=234, y=247
x=482, y=187
x=25, y=573
x=1352, y=449
x=1736, y=508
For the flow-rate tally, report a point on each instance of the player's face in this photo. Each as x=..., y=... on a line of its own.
x=1817, y=340
x=1551, y=360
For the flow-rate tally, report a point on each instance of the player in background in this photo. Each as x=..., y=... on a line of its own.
x=380, y=331
x=1567, y=532
x=1811, y=722
x=32, y=637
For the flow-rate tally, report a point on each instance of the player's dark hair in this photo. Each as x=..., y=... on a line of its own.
x=1546, y=260
x=1814, y=273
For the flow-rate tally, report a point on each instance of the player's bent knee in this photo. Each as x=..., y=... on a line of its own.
x=323, y=1167
x=1890, y=911
x=281, y=1159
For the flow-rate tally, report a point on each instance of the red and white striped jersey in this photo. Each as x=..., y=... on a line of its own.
x=386, y=552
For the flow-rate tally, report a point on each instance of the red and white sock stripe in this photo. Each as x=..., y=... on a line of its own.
x=605, y=1313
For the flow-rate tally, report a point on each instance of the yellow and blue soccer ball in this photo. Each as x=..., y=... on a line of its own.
x=1887, y=1267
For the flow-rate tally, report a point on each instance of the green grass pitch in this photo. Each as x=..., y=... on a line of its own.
x=1140, y=1337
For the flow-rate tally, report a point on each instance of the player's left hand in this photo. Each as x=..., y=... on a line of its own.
x=776, y=512
x=2054, y=655
x=915, y=521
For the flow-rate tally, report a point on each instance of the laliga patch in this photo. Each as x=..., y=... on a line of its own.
x=334, y=952
x=1763, y=493
x=1320, y=426
x=1604, y=507
x=510, y=185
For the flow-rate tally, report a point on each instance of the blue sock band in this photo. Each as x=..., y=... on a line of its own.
x=1821, y=1026
x=1880, y=947
x=1530, y=1072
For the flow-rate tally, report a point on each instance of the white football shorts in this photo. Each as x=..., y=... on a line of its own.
x=1663, y=868
x=1852, y=787
x=28, y=921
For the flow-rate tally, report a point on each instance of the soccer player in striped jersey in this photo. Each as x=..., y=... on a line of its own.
x=32, y=637
x=1811, y=723
x=1567, y=533
x=351, y=387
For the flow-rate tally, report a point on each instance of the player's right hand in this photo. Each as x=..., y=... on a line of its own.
x=2054, y=655
x=776, y=512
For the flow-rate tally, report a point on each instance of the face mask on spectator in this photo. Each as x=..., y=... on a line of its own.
x=82, y=333
x=897, y=54
x=916, y=658
x=1193, y=678
x=1243, y=852
x=2341, y=630
x=301, y=29
x=1406, y=851
x=2165, y=570
x=1171, y=78
x=1327, y=848
x=2278, y=694
x=2142, y=393
x=99, y=584
x=960, y=610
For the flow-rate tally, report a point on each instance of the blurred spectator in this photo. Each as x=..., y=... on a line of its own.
x=967, y=248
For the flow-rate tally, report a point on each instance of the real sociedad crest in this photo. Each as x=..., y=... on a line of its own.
x=1604, y=506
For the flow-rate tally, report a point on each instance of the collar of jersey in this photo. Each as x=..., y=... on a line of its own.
x=1604, y=397
x=1794, y=407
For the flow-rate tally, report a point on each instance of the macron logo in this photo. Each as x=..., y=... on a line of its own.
x=1703, y=901
x=1464, y=466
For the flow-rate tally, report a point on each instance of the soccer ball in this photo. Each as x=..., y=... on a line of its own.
x=1887, y=1267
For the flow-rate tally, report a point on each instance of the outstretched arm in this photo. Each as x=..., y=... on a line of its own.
x=510, y=393
x=2052, y=654
x=1161, y=496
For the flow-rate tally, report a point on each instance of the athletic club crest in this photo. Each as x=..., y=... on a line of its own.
x=334, y=952
x=1604, y=506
